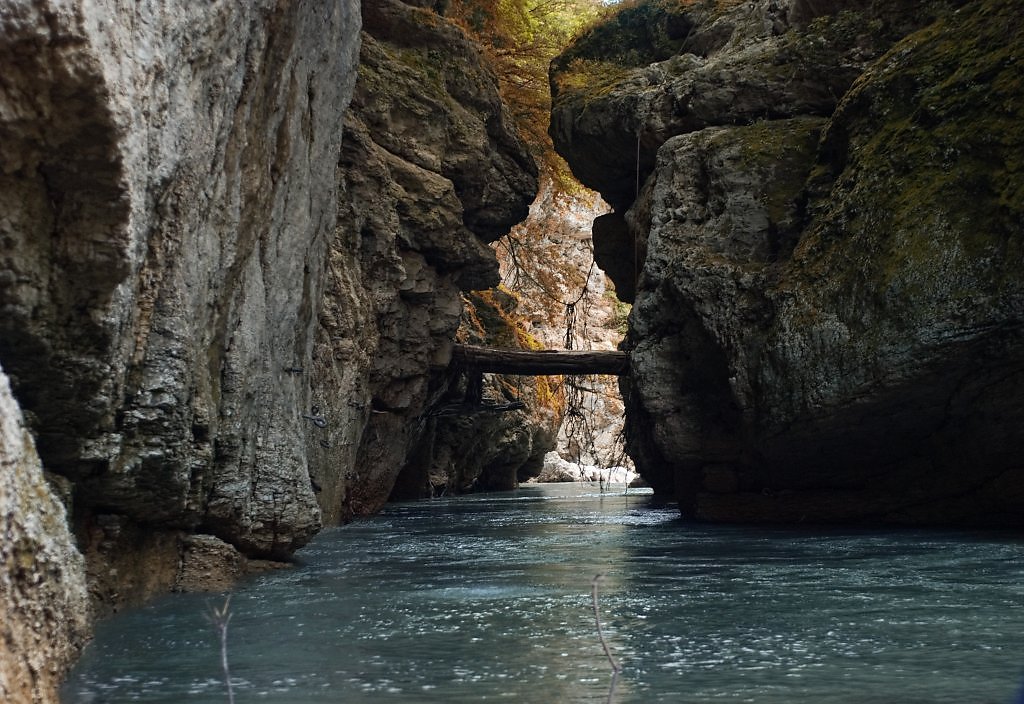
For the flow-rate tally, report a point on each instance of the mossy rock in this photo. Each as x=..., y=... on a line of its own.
x=661, y=68
x=634, y=35
x=907, y=284
x=924, y=190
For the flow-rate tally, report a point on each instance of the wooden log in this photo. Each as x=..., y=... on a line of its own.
x=544, y=362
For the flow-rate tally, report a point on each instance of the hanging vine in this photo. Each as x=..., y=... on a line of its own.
x=578, y=426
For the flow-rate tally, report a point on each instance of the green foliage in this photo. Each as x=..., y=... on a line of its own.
x=521, y=38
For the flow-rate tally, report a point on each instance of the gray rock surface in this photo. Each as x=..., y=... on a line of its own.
x=432, y=170
x=167, y=198
x=42, y=576
x=209, y=564
x=215, y=317
x=652, y=73
x=828, y=314
x=556, y=469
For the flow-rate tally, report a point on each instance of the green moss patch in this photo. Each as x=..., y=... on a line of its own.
x=923, y=222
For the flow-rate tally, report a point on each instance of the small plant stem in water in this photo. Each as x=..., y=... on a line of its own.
x=220, y=618
x=600, y=635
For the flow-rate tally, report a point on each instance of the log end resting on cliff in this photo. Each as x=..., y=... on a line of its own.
x=546, y=362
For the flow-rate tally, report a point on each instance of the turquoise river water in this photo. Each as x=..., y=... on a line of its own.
x=487, y=598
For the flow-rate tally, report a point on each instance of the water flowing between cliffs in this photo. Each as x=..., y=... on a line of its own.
x=487, y=597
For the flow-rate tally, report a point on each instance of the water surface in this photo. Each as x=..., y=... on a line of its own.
x=487, y=598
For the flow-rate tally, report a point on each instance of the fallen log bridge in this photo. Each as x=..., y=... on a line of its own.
x=540, y=363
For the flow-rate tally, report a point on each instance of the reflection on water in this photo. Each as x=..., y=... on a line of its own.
x=487, y=597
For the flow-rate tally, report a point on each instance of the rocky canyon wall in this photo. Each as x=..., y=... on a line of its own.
x=167, y=203
x=42, y=575
x=818, y=209
x=432, y=169
x=155, y=160
x=490, y=431
x=224, y=322
x=567, y=302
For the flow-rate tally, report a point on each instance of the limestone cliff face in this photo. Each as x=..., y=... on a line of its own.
x=167, y=198
x=431, y=170
x=42, y=575
x=826, y=218
x=567, y=301
x=217, y=314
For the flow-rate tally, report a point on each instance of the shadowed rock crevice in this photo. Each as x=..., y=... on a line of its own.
x=65, y=235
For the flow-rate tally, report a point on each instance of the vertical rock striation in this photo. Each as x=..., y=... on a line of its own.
x=823, y=203
x=167, y=198
x=431, y=171
x=210, y=307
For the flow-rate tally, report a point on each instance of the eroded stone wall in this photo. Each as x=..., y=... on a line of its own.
x=218, y=316
x=431, y=171
x=824, y=203
x=167, y=197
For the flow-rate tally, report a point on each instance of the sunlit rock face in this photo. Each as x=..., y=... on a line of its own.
x=167, y=198
x=431, y=171
x=42, y=575
x=549, y=261
x=826, y=207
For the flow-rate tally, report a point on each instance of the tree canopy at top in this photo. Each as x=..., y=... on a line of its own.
x=521, y=38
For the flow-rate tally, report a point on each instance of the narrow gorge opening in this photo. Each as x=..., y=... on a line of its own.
x=535, y=369
x=551, y=296
x=562, y=299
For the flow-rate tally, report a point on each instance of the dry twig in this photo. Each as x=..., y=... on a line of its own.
x=616, y=668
